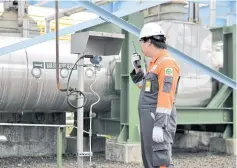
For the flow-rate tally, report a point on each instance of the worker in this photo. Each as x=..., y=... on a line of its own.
x=156, y=107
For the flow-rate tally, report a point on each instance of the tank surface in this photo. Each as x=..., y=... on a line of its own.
x=28, y=78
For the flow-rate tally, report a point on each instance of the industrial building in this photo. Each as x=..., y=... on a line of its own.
x=65, y=83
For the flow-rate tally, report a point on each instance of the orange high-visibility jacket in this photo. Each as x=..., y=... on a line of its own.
x=168, y=73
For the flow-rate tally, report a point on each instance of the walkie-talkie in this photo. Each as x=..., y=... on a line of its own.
x=138, y=61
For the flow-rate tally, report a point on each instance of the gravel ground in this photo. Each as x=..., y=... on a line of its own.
x=181, y=160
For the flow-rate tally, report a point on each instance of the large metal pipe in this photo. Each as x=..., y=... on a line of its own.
x=39, y=94
x=34, y=71
x=179, y=55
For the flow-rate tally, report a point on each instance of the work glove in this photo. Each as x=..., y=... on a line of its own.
x=136, y=60
x=158, y=135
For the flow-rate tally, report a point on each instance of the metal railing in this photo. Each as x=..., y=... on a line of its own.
x=60, y=130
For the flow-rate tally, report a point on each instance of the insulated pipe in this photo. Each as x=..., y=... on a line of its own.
x=176, y=53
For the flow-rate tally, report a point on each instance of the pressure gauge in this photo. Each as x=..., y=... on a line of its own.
x=64, y=72
x=36, y=72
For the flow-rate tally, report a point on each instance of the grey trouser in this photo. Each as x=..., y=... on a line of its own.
x=155, y=154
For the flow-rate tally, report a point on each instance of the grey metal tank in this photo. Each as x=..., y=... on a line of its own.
x=28, y=79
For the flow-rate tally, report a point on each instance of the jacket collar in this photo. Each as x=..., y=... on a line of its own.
x=159, y=55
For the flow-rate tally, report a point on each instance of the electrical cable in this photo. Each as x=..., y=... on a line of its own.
x=74, y=90
x=94, y=60
x=91, y=114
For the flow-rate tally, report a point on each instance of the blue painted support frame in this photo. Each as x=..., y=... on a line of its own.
x=126, y=26
x=72, y=29
x=179, y=55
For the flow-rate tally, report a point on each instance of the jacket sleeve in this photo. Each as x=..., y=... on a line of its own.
x=137, y=78
x=168, y=76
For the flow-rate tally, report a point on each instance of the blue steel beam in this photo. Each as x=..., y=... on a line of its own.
x=111, y=6
x=63, y=4
x=72, y=29
x=69, y=4
x=176, y=53
x=222, y=9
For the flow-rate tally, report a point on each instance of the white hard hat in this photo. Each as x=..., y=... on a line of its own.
x=151, y=29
